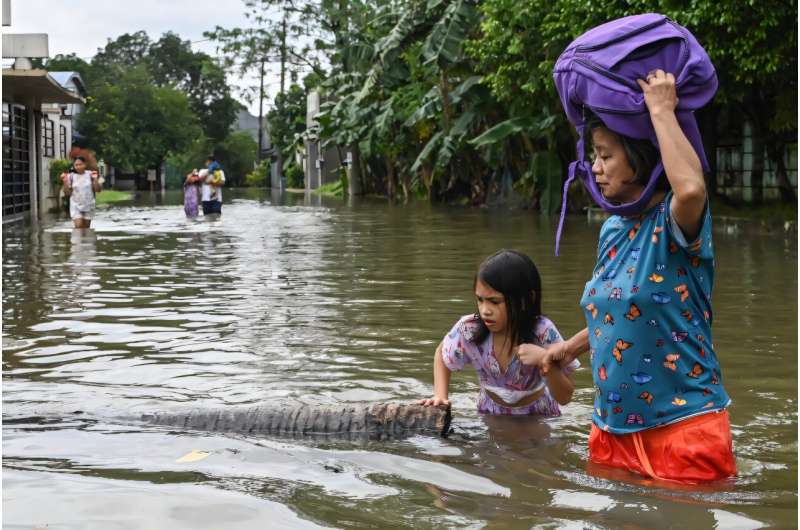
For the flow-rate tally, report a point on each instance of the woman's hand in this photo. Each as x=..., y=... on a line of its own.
x=435, y=401
x=556, y=354
x=531, y=355
x=659, y=90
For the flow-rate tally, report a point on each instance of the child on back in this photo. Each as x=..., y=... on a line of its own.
x=505, y=343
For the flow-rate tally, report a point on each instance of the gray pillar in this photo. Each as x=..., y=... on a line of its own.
x=35, y=155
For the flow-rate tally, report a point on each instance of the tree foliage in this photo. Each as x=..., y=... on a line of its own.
x=237, y=154
x=170, y=62
x=135, y=124
x=444, y=98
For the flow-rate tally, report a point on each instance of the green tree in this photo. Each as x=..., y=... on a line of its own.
x=134, y=124
x=68, y=63
x=237, y=154
x=752, y=45
x=171, y=62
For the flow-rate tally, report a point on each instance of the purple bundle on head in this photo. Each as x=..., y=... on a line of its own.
x=597, y=74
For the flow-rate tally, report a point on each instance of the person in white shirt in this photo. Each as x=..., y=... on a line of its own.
x=211, y=191
x=80, y=186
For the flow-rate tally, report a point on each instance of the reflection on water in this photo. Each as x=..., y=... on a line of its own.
x=302, y=300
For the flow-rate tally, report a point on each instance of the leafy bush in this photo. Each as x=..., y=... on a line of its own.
x=57, y=167
x=294, y=177
x=258, y=177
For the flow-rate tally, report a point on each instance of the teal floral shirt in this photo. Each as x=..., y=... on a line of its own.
x=648, y=311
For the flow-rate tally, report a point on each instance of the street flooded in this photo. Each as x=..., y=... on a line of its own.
x=301, y=300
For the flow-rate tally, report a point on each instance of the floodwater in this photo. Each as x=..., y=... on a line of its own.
x=302, y=300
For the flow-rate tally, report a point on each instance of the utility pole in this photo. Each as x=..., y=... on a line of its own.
x=261, y=113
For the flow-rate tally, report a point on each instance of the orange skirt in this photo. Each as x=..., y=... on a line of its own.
x=697, y=449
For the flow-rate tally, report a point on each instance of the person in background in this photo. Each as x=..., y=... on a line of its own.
x=191, y=194
x=81, y=185
x=211, y=189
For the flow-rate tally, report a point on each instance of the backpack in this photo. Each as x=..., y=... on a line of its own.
x=597, y=72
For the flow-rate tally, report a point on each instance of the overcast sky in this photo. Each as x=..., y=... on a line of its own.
x=83, y=26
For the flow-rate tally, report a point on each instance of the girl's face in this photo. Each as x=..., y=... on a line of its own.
x=612, y=172
x=491, y=307
x=79, y=166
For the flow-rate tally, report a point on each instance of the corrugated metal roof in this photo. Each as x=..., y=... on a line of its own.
x=62, y=78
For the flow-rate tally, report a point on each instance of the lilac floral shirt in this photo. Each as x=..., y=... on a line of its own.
x=459, y=348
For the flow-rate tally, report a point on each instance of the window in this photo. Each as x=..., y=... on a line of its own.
x=16, y=161
x=48, y=130
x=63, y=134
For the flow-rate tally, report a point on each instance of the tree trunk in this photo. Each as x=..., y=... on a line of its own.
x=380, y=420
x=427, y=179
x=391, y=184
x=354, y=179
x=757, y=172
x=707, y=120
x=776, y=148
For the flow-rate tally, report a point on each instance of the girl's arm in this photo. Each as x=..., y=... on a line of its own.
x=67, y=185
x=96, y=182
x=560, y=385
x=681, y=163
x=441, y=381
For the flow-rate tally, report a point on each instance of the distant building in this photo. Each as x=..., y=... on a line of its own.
x=73, y=83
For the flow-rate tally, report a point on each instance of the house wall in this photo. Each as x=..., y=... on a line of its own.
x=62, y=138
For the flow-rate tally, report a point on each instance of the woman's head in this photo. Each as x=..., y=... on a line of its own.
x=621, y=165
x=508, y=290
x=79, y=163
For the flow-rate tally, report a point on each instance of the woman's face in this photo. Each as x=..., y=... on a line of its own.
x=79, y=166
x=612, y=171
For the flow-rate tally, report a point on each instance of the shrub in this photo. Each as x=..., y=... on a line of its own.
x=57, y=167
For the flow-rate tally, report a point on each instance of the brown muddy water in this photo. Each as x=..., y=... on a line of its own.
x=302, y=300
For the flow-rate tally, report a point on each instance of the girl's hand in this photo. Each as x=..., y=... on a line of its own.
x=435, y=401
x=659, y=92
x=531, y=355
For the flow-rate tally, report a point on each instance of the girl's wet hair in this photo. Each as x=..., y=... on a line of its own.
x=642, y=155
x=79, y=157
x=514, y=275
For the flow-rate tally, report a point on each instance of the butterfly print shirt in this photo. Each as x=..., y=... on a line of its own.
x=648, y=311
x=460, y=348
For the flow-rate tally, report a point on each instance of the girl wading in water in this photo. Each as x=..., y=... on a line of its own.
x=503, y=342
x=80, y=186
x=660, y=408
